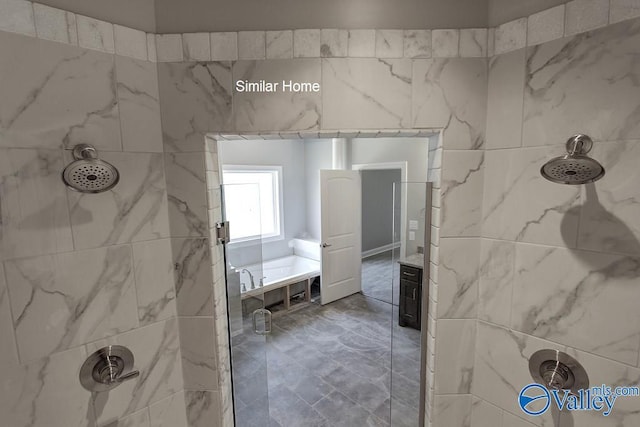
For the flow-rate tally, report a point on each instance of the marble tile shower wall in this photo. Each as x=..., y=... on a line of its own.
x=370, y=94
x=79, y=271
x=372, y=80
x=560, y=266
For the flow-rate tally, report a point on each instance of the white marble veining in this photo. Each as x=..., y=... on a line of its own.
x=497, y=264
x=155, y=291
x=583, y=84
x=417, y=43
x=46, y=392
x=389, y=43
x=60, y=95
x=458, y=277
x=139, y=105
x=546, y=25
x=509, y=211
x=605, y=371
x=505, y=98
x=130, y=42
x=95, y=34
x=33, y=212
x=455, y=343
x=461, y=205
x=79, y=296
x=445, y=43
x=202, y=407
x=55, y=24
x=502, y=367
x=169, y=48
x=198, y=353
x=193, y=281
x=452, y=94
x=557, y=293
x=137, y=419
x=157, y=351
x=484, y=414
x=134, y=210
x=279, y=44
x=186, y=191
x=362, y=43
x=366, y=93
x=611, y=207
x=306, y=43
x=281, y=110
x=224, y=46
x=251, y=45
x=196, y=47
x=511, y=36
x=473, y=43
x=169, y=412
x=585, y=15
x=452, y=410
x=16, y=16
x=196, y=100
x=623, y=9
x=334, y=43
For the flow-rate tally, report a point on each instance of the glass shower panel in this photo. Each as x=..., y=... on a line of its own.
x=409, y=285
x=249, y=321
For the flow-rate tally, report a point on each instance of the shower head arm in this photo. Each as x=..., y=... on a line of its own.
x=579, y=144
x=84, y=151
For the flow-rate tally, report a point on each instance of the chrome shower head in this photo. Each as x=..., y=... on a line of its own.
x=575, y=167
x=88, y=174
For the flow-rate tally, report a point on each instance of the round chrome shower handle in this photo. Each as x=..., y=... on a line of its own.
x=107, y=368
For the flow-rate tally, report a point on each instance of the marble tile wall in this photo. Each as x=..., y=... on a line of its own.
x=559, y=264
x=427, y=86
x=358, y=93
x=80, y=271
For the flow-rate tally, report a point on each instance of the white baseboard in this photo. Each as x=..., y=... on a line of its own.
x=381, y=249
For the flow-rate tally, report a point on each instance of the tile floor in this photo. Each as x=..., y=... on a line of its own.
x=380, y=276
x=330, y=365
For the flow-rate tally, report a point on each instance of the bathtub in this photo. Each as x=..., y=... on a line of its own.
x=278, y=273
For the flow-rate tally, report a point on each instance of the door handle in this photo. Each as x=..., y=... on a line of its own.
x=325, y=245
x=414, y=294
x=267, y=321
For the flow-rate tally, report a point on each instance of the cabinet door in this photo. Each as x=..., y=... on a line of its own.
x=410, y=303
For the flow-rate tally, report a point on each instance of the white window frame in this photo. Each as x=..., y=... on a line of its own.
x=279, y=204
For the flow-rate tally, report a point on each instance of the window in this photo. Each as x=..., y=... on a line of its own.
x=253, y=202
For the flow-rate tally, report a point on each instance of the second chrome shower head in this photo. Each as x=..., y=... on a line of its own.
x=88, y=174
x=575, y=167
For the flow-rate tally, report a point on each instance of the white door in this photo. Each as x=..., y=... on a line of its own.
x=340, y=211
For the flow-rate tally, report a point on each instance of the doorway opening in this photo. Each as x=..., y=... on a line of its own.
x=304, y=352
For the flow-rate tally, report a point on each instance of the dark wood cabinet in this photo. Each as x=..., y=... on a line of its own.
x=410, y=296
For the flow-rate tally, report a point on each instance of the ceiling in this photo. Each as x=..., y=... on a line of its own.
x=181, y=16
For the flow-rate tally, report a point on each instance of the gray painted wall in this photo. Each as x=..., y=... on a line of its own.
x=139, y=14
x=501, y=11
x=317, y=155
x=290, y=155
x=415, y=152
x=234, y=15
x=377, y=207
